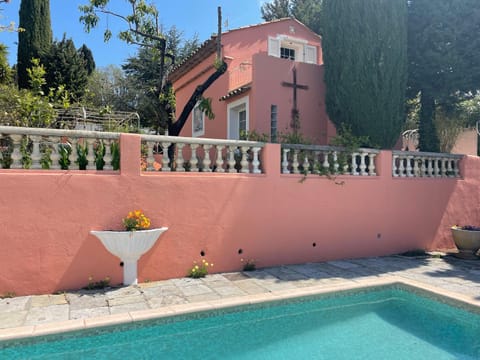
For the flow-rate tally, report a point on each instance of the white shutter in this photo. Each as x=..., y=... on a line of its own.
x=273, y=47
x=310, y=54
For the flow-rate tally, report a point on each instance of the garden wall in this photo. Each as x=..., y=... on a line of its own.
x=46, y=217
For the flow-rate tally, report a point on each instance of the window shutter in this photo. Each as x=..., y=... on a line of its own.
x=273, y=47
x=310, y=54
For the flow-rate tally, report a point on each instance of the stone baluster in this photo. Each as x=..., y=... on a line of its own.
x=395, y=172
x=256, y=161
x=354, y=164
x=285, y=161
x=371, y=164
x=409, y=169
x=325, y=164
x=107, y=158
x=430, y=167
x=54, y=156
x=16, y=153
x=401, y=167
x=295, y=163
x=231, y=158
x=180, y=160
x=306, y=164
x=194, y=158
x=206, y=159
x=165, y=158
x=423, y=167
x=91, y=155
x=346, y=165
x=73, y=157
x=436, y=168
x=36, y=155
x=416, y=169
x=449, y=168
x=363, y=165
x=219, y=161
x=443, y=167
x=244, y=161
x=150, y=158
x=335, y=162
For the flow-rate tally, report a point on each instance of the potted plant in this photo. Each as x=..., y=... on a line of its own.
x=467, y=240
x=131, y=244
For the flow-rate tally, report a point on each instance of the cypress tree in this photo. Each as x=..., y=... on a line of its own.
x=36, y=40
x=365, y=55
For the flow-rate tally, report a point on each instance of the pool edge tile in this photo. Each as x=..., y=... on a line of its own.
x=58, y=327
x=108, y=320
x=151, y=314
x=16, y=333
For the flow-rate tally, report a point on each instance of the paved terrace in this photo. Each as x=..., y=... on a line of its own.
x=41, y=314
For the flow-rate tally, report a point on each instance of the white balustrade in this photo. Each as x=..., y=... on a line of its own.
x=413, y=164
x=319, y=159
x=204, y=155
x=54, y=149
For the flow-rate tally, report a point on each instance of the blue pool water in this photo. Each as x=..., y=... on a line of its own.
x=382, y=323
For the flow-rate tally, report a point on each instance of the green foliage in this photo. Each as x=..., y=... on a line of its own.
x=306, y=11
x=5, y=71
x=199, y=271
x=35, y=41
x=87, y=55
x=364, y=44
x=443, y=57
x=277, y=9
x=67, y=67
x=97, y=285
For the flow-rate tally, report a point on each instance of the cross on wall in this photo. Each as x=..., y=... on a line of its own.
x=295, y=124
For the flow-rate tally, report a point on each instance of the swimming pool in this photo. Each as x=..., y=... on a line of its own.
x=387, y=322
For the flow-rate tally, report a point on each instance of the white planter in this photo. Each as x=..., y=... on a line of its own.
x=129, y=246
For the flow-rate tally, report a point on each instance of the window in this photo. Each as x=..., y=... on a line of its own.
x=198, y=121
x=286, y=47
x=238, y=119
x=286, y=53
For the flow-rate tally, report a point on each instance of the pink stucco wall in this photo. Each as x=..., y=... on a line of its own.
x=46, y=216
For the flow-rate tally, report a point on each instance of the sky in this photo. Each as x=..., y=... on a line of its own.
x=189, y=16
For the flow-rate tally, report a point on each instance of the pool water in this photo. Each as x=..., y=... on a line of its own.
x=382, y=323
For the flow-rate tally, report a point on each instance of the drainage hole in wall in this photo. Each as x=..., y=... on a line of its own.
x=121, y=263
x=314, y=244
x=379, y=236
x=202, y=253
x=240, y=251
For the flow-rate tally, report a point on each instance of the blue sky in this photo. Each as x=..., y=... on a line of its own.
x=189, y=16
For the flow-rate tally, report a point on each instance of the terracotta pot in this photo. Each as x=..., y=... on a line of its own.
x=467, y=242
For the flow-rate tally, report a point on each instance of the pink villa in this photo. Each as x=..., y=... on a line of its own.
x=272, y=67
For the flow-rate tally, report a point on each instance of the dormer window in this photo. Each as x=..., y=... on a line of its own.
x=287, y=53
x=287, y=47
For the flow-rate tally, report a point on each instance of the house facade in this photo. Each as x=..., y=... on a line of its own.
x=273, y=84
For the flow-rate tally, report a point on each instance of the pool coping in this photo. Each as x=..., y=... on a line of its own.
x=452, y=298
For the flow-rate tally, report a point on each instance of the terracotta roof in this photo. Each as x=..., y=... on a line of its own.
x=235, y=92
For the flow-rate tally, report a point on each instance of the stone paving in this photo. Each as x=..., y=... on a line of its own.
x=446, y=273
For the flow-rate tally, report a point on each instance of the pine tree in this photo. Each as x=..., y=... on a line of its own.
x=364, y=47
x=36, y=40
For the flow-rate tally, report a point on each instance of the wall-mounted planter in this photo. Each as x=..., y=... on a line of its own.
x=129, y=246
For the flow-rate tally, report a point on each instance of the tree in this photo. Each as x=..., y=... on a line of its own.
x=364, y=47
x=306, y=11
x=143, y=29
x=36, y=40
x=443, y=57
x=277, y=9
x=5, y=71
x=87, y=55
x=65, y=66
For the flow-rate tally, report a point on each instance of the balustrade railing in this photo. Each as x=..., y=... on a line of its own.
x=423, y=164
x=319, y=159
x=35, y=148
x=174, y=153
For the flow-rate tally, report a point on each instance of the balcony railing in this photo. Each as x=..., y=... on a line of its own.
x=413, y=164
x=318, y=159
x=173, y=153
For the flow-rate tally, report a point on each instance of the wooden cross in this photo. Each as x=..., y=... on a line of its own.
x=295, y=113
